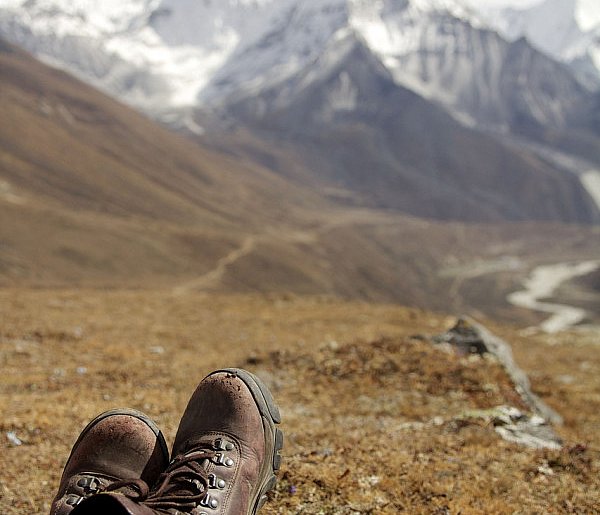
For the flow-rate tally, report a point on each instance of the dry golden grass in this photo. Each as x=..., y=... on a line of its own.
x=372, y=411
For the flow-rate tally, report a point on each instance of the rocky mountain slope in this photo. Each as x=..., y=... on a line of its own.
x=68, y=144
x=357, y=130
x=206, y=66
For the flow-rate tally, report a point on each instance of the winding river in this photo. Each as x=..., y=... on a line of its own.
x=542, y=283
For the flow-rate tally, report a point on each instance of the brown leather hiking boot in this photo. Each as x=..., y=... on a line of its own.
x=119, y=449
x=226, y=454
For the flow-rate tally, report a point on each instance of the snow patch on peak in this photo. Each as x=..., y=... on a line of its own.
x=12, y=4
x=567, y=30
x=587, y=14
x=394, y=28
x=288, y=41
x=453, y=7
x=83, y=17
x=345, y=94
x=418, y=40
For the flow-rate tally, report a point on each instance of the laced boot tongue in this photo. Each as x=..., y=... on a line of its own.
x=135, y=489
x=184, y=484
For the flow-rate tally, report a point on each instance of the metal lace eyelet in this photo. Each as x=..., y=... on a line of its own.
x=209, y=502
x=73, y=500
x=221, y=459
x=89, y=484
x=223, y=445
x=216, y=482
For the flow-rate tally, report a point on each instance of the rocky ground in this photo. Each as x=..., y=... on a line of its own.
x=377, y=418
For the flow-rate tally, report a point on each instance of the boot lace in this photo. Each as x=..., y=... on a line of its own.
x=185, y=482
x=183, y=486
x=89, y=485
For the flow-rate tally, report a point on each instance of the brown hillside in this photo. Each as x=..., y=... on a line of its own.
x=67, y=144
x=90, y=189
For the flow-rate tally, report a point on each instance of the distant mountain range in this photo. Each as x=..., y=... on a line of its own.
x=94, y=194
x=418, y=106
x=176, y=53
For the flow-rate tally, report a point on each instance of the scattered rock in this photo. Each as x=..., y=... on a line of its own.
x=515, y=426
x=253, y=359
x=13, y=438
x=469, y=336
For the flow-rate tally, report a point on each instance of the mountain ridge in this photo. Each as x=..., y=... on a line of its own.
x=365, y=133
x=565, y=29
x=194, y=66
x=228, y=46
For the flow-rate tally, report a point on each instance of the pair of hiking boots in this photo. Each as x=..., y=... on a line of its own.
x=225, y=456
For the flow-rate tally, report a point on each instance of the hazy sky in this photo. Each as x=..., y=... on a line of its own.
x=504, y=3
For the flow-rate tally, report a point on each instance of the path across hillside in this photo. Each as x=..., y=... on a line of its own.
x=213, y=277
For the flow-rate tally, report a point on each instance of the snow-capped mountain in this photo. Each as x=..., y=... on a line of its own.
x=453, y=58
x=568, y=30
x=352, y=126
x=165, y=55
x=152, y=53
x=262, y=62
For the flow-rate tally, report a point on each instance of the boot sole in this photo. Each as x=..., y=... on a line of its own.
x=271, y=416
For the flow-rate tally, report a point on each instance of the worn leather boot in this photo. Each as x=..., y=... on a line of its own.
x=227, y=443
x=118, y=450
x=226, y=454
